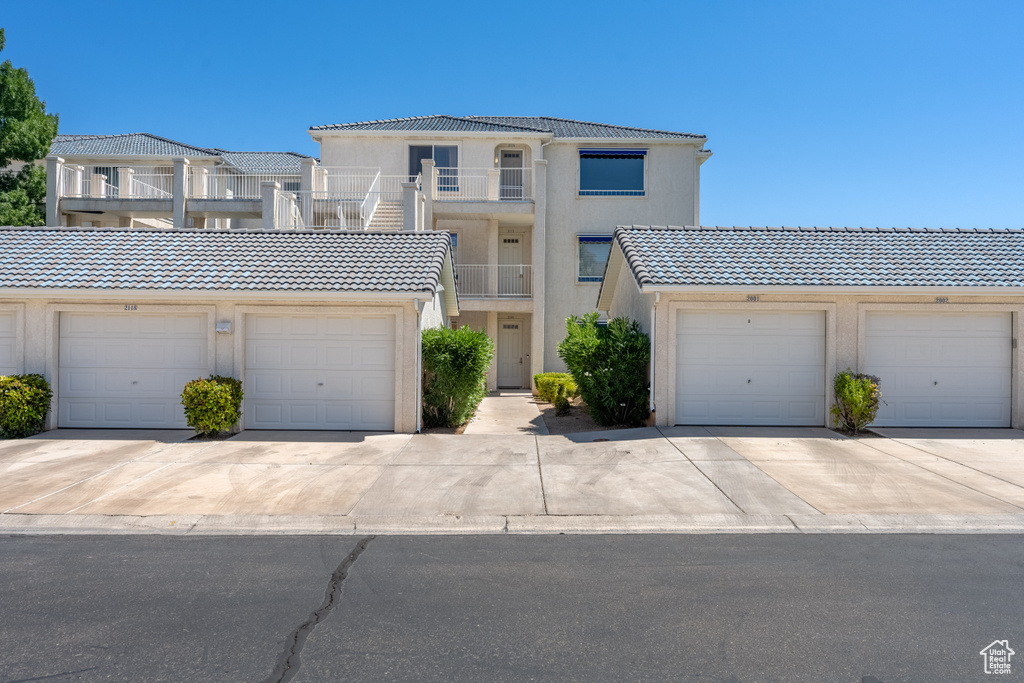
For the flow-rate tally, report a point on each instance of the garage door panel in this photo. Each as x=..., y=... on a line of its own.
x=128, y=370
x=750, y=367
x=941, y=369
x=321, y=372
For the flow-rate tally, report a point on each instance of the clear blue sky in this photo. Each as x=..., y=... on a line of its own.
x=819, y=113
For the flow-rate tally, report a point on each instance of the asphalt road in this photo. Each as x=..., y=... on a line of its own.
x=495, y=608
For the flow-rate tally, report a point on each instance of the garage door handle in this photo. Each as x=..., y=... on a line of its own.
x=319, y=384
x=748, y=381
x=134, y=382
x=936, y=383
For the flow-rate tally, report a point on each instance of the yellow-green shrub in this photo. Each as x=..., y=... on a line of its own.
x=212, y=405
x=24, y=403
x=557, y=388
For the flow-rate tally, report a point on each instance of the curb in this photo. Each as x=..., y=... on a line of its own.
x=347, y=525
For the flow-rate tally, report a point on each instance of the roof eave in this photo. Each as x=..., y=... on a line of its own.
x=94, y=293
x=961, y=290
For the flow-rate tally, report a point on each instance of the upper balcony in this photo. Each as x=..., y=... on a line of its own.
x=506, y=193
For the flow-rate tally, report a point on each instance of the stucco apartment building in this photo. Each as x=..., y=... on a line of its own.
x=506, y=224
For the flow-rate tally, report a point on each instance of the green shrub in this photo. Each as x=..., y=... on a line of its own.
x=609, y=365
x=212, y=405
x=857, y=399
x=455, y=366
x=557, y=388
x=24, y=403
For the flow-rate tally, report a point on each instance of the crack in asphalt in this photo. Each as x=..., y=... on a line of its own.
x=289, y=662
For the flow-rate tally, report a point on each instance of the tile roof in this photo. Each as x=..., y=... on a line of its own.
x=97, y=258
x=265, y=162
x=145, y=144
x=129, y=144
x=890, y=257
x=557, y=127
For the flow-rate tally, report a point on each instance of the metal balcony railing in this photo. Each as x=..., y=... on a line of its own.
x=117, y=182
x=491, y=281
x=228, y=183
x=483, y=184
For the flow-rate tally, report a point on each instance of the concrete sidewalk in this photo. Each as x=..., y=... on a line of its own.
x=507, y=412
x=681, y=479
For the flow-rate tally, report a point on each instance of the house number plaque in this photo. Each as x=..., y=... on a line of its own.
x=753, y=297
x=131, y=307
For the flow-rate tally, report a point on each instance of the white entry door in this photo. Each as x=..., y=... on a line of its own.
x=510, y=354
x=128, y=370
x=511, y=274
x=750, y=368
x=941, y=369
x=511, y=174
x=8, y=343
x=320, y=372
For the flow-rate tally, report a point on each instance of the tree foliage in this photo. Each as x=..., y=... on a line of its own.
x=26, y=132
x=857, y=400
x=455, y=366
x=609, y=365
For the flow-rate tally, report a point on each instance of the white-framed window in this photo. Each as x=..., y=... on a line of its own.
x=613, y=172
x=454, y=237
x=592, y=256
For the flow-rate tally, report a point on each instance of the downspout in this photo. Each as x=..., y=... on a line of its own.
x=419, y=364
x=654, y=337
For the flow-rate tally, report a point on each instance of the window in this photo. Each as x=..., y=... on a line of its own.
x=455, y=246
x=592, y=255
x=446, y=160
x=612, y=172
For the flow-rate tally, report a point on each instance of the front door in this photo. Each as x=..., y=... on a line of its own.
x=510, y=354
x=511, y=276
x=511, y=181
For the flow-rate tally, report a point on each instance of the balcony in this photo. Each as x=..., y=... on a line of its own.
x=494, y=281
x=117, y=182
x=227, y=183
x=350, y=201
x=482, y=184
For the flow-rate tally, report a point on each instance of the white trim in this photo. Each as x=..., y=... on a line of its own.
x=838, y=290
x=19, y=334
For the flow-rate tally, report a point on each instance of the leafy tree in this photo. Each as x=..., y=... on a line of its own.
x=26, y=132
x=609, y=366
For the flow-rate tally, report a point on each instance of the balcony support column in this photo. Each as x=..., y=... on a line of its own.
x=125, y=176
x=179, y=188
x=539, y=238
x=54, y=189
x=307, y=184
x=269, y=194
x=409, y=207
x=429, y=179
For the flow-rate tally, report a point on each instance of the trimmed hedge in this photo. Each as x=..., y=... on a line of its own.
x=212, y=405
x=557, y=388
x=24, y=403
x=857, y=400
x=609, y=365
x=455, y=366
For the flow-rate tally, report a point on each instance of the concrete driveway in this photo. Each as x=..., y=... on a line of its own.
x=672, y=479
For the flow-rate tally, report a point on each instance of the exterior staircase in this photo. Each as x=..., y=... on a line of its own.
x=388, y=216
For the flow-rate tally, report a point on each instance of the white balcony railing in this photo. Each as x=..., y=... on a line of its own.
x=227, y=183
x=494, y=281
x=483, y=184
x=117, y=182
x=377, y=207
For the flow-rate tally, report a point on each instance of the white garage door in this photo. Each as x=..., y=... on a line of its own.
x=8, y=363
x=750, y=367
x=128, y=370
x=320, y=372
x=941, y=369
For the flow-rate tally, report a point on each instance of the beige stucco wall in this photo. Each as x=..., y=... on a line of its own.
x=845, y=329
x=390, y=153
x=670, y=199
x=39, y=332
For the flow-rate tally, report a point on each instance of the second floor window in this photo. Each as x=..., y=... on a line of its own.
x=612, y=172
x=446, y=160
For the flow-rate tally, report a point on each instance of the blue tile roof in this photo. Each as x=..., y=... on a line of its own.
x=767, y=257
x=96, y=258
x=557, y=127
x=265, y=162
